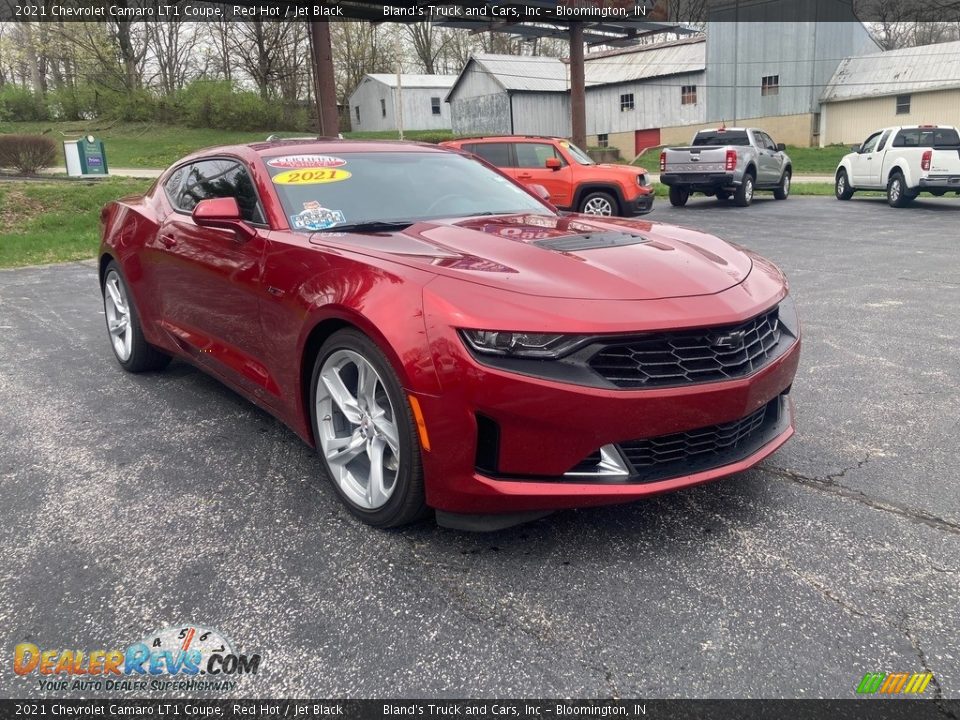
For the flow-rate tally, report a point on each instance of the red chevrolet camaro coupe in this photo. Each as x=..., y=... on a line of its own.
x=444, y=337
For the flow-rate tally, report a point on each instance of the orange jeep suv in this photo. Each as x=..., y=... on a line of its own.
x=574, y=181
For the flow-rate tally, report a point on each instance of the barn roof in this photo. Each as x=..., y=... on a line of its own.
x=412, y=80
x=642, y=62
x=896, y=72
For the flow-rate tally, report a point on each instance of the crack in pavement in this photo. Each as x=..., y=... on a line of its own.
x=925, y=664
x=828, y=484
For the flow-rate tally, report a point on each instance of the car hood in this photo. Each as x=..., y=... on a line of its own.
x=630, y=171
x=565, y=256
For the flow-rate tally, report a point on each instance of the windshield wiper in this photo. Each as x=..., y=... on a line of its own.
x=370, y=226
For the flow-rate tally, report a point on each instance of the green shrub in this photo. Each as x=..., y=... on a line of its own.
x=20, y=105
x=27, y=153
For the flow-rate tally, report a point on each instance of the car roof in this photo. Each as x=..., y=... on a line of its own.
x=320, y=146
x=505, y=138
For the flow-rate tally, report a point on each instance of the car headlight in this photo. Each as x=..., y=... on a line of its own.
x=520, y=344
x=643, y=180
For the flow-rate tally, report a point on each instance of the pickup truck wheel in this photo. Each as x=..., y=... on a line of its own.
x=744, y=194
x=842, y=188
x=897, y=194
x=782, y=191
x=598, y=203
x=679, y=196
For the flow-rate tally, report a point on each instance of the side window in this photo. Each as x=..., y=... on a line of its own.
x=435, y=105
x=494, y=153
x=172, y=185
x=883, y=140
x=534, y=155
x=871, y=144
x=220, y=178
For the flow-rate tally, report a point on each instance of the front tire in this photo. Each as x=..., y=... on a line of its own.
x=599, y=203
x=365, y=432
x=679, y=196
x=841, y=187
x=744, y=194
x=897, y=194
x=131, y=349
x=782, y=191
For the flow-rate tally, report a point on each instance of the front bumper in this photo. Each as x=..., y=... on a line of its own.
x=640, y=205
x=543, y=429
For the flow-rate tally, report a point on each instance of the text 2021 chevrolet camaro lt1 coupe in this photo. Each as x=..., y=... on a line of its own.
x=445, y=338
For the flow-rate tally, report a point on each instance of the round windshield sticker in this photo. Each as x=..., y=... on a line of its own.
x=311, y=176
x=306, y=161
x=316, y=217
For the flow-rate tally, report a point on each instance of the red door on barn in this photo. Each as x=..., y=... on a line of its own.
x=646, y=139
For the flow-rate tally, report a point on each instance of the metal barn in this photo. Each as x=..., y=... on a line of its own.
x=373, y=102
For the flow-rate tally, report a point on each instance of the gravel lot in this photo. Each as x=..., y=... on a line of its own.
x=132, y=503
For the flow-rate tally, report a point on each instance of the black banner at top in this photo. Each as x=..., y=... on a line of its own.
x=532, y=709
x=492, y=14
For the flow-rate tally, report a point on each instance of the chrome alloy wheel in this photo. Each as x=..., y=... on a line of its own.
x=116, y=307
x=598, y=206
x=786, y=184
x=748, y=190
x=357, y=429
x=841, y=184
x=895, y=190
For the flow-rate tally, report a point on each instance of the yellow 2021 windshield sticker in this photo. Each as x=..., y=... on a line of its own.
x=311, y=176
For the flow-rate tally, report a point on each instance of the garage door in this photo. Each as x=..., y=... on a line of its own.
x=646, y=139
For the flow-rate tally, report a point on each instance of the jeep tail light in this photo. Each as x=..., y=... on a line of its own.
x=663, y=161
x=731, y=160
x=925, y=160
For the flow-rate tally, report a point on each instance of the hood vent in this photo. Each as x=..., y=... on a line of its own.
x=591, y=241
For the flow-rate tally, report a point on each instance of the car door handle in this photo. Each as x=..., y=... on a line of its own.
x=525, y=176
x=167, y=241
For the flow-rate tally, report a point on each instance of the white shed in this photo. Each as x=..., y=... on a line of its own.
x=373, y=102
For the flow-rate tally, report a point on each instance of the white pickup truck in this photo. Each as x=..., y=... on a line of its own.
x=904, y=161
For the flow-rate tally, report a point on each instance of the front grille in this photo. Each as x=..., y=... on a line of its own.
x=694, y=446
x=693, y=356
x=685, y=453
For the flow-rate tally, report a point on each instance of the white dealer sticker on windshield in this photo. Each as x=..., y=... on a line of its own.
x=306, y=161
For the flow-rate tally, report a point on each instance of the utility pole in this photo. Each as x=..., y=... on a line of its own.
x=578, y=94
x=328, y=120
x=398, y=95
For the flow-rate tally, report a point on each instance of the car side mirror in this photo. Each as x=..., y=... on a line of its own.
x=781, y=147
x=553, y=163
x=540, y=191
x=856, y=149
x=222, y=213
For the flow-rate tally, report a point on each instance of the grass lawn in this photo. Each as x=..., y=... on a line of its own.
x=46, y=222
x=806, y=161
x=146, y=145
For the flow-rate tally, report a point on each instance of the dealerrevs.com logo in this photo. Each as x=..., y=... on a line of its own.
x=185, y=657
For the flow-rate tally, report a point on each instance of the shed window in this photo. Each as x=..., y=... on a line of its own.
x=770, y=85
x=356, y=111
x=383, y=107
x=903, y=104
x=435, y=105
x=688, y=95
x=603, y=140
x=626, y=102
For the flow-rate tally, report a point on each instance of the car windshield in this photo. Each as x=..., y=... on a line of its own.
x=321, y=192
x=726, y=137
x=579, y=155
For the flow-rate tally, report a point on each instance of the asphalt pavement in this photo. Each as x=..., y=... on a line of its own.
x=131, y=503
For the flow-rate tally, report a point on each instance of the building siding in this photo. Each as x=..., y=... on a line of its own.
x=417, y=112
x=851, y=121
x=803, y=54
x=656, y=102
x=541, y=114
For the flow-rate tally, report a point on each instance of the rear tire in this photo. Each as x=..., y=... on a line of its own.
x=841, y=188
x=368, y=442
x=782, y=191
x=897, y=194
x=679, y=196
x=744, y=194
x=130, y=348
